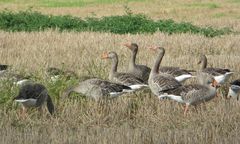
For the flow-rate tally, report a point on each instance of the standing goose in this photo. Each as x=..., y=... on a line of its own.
x=193, y=94
x=123, y=78
x=220, y=75
x=234, y=89
x=160, y=82
x=34, y=95
x=97, y=88
x=141, y=71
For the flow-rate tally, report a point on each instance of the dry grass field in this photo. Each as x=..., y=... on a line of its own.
x=132, y=118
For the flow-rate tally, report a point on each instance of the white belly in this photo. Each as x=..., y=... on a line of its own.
x=28, y=102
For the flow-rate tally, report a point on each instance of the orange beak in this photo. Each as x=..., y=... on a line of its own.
x=104, y=55
x=215, y=84
x=128, y=45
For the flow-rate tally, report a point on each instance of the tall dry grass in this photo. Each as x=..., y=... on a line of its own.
x=133, y=118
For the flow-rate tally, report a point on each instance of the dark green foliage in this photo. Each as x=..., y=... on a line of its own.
x=129, y=23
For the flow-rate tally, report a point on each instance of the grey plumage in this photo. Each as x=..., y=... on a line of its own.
x=221, y=75
x=96, y=88
x=34, y=95
x=159, y=82
x=193, y=94
x=141, y=71
x=127, y=79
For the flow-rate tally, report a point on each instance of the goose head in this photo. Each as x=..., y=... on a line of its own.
x=132, y=46
x=159, y=49
x=206, y=79
x=212, y=82
x=109, y=55
x=202, y=59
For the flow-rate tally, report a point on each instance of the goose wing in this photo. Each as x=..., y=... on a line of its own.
x=108, y=87
x=33, y=91
x=174, y=71
x=195, y=93
x=165, y=83
x=215, y=71
x=236, y=82
x=127, y=79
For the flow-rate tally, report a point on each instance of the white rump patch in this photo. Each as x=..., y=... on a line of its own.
x=173, y=97
x=221, y=79
x=114, y=94
x=183, y=77
x=128, y=90
x=21, y=82
x=137, y=86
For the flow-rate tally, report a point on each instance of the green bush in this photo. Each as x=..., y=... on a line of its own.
x=129, y=23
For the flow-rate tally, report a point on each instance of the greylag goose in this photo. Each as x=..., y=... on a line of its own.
x=34, y=95
x=193, y=94
x=55, y=73
x=234, y=89
x=220, y=75
x=17, y=79
x=141, y=71
x=160, y=82
x=123, y=78
x=97, y=88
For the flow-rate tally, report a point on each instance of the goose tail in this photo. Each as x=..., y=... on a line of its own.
x=50, y=105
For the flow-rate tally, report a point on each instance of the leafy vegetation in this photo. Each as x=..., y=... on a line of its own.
x=129, y=23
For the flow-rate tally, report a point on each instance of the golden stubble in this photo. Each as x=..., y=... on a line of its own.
x=133, y=118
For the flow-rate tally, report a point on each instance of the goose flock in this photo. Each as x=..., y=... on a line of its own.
x=164, y=82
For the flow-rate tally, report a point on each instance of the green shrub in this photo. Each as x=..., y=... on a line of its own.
x=129, y=23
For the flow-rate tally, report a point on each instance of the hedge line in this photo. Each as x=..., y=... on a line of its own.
x=129, y=23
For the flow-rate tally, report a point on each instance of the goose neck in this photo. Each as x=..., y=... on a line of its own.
x=113, y=67
x=155, y=68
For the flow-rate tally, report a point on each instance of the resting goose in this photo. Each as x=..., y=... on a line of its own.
x=160, y=82
x=34, y=95
x=234, y=89
x=123, y=78
x=97, y=88
x=141, y=71
x=17, y=79
x=193, y=94
x=220, y=75
x=55, y=73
